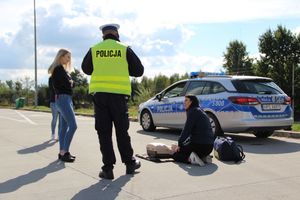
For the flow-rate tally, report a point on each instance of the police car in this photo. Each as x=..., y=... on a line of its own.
x=234, y=104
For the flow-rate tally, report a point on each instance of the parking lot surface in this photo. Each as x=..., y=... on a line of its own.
x=29, y=168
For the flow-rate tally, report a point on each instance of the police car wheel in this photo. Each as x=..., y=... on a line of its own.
x=217, y=131
x=146, y=121
x=263, y=134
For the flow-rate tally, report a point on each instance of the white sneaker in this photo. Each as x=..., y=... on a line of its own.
x=195, y=160
x=207, y=159
x=52, y=137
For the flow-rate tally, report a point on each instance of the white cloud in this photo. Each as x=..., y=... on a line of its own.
x=297, y=30
x=157, y=30
x=181, y=63
x=148, y=16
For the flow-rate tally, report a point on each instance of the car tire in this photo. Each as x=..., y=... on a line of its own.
x=263, y=134
x=147, y=121
x=215, y=125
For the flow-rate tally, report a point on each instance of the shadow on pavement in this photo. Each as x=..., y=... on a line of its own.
x=195, y=170
x=38, y=147
x=33, y=176
x=104, y=189
x=271, y=145
x=249, y=142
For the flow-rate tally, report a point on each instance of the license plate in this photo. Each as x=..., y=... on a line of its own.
x=271, y=106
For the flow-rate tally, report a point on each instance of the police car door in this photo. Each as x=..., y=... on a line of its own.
x=169, y=107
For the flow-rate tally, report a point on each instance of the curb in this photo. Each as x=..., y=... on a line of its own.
x=289, y=134
x=133, y=119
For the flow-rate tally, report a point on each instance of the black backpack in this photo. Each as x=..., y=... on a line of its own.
x=226, y=149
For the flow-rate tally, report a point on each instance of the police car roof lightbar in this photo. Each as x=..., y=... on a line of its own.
x=203, y=74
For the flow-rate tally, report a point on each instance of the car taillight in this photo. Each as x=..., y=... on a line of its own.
x=244, y=100
x=287, y=100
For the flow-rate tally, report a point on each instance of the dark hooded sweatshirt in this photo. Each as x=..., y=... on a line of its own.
x=197, y=128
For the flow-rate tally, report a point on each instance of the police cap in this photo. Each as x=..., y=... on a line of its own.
x=107, y=27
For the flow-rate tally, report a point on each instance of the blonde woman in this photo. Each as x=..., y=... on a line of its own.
x=63, y=85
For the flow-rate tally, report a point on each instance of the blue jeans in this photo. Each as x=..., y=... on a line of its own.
x=67, y=120
x=55, y=115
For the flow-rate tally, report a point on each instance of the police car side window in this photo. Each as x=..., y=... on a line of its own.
x=195, y=87
x=213, y=88
x=175, y=91
x=206, y=89
x=217, y=88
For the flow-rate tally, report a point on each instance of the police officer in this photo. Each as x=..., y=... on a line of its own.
x=110, y=63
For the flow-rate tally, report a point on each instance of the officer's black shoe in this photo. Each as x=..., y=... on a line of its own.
x=106, y=174
x=130, y=168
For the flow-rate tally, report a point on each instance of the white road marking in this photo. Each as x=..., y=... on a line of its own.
x=26, y=118
x=1, y=117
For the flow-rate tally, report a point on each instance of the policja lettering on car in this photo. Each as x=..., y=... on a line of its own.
x=108, y=53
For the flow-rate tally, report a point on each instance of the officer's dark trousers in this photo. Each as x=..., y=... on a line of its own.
x=112, y=109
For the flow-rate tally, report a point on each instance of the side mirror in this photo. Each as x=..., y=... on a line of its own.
x=158, y=96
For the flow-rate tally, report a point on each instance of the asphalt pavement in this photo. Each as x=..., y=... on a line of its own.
x=29, y=168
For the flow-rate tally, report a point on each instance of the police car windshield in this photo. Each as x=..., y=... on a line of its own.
x=257, y=86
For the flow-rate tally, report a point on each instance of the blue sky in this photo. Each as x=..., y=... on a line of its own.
x=212, y=38
x=169, y=36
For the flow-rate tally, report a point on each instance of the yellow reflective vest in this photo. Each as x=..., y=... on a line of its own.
x=110, y=68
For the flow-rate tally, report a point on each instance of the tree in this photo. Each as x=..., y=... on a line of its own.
x=18, y=87
x=184, y=76
x=79, y=78
x=148, y=87
x=160, y=82
x=10, y=84
x=28, y=85
x=280, y=54
x=236, y=59
x=174, y=78
x=80, y=92
x=148, y=83
x=261, y=68
x=81, y=97
x=4, y=94
x=134, y=87
x=9, y=94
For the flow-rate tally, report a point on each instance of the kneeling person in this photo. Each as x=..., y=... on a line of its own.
x=196, y=139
